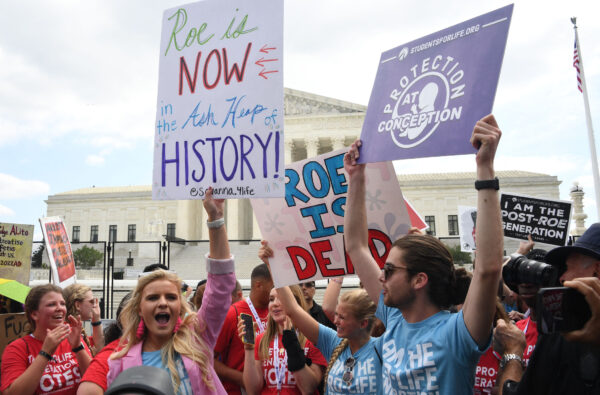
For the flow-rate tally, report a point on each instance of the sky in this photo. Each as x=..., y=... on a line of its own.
x=78, y=86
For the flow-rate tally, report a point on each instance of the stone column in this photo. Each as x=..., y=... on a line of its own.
x=312, y=146
x=578, y=215
x=338, y=142
x=289, y=147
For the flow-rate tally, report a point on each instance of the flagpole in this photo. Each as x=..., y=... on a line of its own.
x=588, y=120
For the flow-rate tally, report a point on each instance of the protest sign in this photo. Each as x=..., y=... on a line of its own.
x=547, y=221
x=12, y=326
x=415, y=218
x=15, y=251
x=305, y=229
x=466, y=227
x=429, y=93
x=59, y=251
x=219, y=117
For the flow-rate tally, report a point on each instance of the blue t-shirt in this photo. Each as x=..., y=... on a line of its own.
x=153, y=358
x=366, y=371
x=433, y=356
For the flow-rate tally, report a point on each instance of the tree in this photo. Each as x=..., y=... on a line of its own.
x=87, y=257
x=459, y=257
x=36, y=258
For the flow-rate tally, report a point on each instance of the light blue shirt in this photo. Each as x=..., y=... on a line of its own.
x=366, y=372
x=433, y=356
x=153, y=358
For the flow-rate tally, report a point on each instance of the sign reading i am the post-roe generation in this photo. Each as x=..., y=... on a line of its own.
x=219, y=117
x=429, y=93
x=547, y=221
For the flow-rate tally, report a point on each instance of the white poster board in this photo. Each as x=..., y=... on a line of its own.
x=59, y=251
x=219, y=117
x=467, y=217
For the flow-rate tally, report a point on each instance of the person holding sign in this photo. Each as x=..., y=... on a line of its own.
x=81, y=302
x=161, y=330
x=425, y=346
x=52, y=358
x=284, y=361
x=354, y=362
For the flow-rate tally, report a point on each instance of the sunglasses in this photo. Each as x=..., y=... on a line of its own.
x=347, y=377
x=307, y=285
x=389, y=269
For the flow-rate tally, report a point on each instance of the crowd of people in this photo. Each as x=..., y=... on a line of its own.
x=416, y=326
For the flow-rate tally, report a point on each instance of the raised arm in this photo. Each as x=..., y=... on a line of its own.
x=480, y=303
x=331, y=296
x=356, y=231
x=252, y=373
x=97, y=332
x=217, y=234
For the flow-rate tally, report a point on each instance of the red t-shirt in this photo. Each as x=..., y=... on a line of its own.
x=61, y=376
x=486, y=372
x=288, y=384
x=529, y=327
x=229, y=346
x=98, y=369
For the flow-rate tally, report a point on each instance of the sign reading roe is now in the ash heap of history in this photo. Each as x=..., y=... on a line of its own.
x=219, y=118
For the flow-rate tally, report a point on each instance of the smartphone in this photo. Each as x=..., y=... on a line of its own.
x=248, y=328
x=561, y=309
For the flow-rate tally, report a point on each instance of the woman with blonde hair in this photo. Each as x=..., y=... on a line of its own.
x=285, y=362
x=159, y=328
x=81, y=302
x=354, y=361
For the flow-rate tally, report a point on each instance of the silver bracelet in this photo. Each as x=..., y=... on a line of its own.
x=217, y=223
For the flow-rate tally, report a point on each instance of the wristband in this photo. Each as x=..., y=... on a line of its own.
x=96, y=323
x=46, y=355
x=487, y=184
x=337, y=280
x=217, y=223
x=506, y=358
x=77, y=349
x=295, y=353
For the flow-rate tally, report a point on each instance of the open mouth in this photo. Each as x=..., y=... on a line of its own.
x=162, y=318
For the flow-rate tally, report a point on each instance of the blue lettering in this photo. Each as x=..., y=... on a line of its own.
x=230, y=176
x=338, y=180
x=291, y=188
x=165, y=162
x=315, y=212
x=309, y=168
x=245, y=153
x=199, y=156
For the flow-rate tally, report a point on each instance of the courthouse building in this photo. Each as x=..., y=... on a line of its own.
x=313, y=125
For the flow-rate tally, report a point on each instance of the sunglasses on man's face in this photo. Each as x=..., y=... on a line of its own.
x=348, y=376
x=307, y=285
x=389, y=269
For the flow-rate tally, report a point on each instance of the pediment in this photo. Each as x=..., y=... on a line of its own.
x=297, y=102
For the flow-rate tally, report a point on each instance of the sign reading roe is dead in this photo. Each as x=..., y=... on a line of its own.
x=547, y=221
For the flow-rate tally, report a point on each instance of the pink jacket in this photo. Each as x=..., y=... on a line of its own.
x=215, y=304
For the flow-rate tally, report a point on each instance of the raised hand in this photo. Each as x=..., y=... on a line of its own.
x=214, y=207
x=485, y=137
x=75, y=327
x=350, y=165
x=265, y=252
x=54, y=337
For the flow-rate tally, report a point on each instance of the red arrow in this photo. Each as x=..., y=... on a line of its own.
x=260, y=61
x=264, y=49
x=263, y=72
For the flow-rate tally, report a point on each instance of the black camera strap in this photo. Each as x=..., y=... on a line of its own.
x=589, y=371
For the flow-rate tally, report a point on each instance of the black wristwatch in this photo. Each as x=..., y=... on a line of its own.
x=487, y=184
x=77, y=349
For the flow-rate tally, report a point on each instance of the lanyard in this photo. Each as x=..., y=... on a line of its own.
x=261, y=327
x=526, y=325
x=279, y=367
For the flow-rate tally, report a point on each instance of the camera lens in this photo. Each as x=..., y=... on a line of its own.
x=520, y=270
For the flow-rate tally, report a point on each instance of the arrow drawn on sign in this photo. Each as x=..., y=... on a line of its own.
x=260, y=61
x=266, y=49
x=263, y=73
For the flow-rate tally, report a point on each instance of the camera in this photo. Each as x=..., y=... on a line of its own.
x=521, y=270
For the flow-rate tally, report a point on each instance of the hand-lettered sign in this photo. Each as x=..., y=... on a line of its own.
x=467, y=223
x=547, y=221
x=15, y=251
x=219, y=117
x=305, y=229
x=59, y=251
x=429, y=93
x=12, y=326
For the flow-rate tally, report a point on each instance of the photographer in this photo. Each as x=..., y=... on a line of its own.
x=567, y=363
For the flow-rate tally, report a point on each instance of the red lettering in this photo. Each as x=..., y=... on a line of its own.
x=204, y=73
x=310, y=268
x=183, y=69
x=379, y=236
x=318, y=249
x=239, y=75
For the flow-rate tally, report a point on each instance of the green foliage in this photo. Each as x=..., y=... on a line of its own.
x=459, y=257
x=87, y=257
x=36, y=258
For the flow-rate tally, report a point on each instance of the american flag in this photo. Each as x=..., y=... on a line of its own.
x=576, y=65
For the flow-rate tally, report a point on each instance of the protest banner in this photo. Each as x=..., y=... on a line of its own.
x=305, y=229
x=547, y=221
x=415, y=218
x=59, y=251
x=429, y=93
x=16, y=241
x=467, y=222
x=12, y=326
x=219, y=117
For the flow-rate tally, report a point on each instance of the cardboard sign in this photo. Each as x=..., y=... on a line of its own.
x=59, y=251
x=15, y=251
x=12, y=326
x=467, y=221
x=547, y=221
x=219, y=117
x=305, y=229
x=429, y=93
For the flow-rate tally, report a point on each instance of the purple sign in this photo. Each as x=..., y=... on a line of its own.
x=429, y=93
